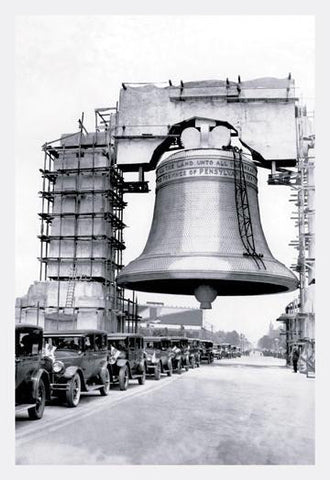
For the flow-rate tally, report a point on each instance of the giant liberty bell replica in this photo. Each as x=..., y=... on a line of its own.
x=206, y=238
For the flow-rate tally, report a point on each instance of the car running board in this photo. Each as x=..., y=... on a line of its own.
x=24, y=406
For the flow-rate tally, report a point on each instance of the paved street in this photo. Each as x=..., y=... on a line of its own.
x=246, y=411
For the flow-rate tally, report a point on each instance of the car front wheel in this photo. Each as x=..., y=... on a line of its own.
x=178, y=368
x=104, y=391
x=123, y=378
x=170, y=368
x=73, y=391
x=36, y=412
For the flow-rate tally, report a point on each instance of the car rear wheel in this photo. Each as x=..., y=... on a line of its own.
x=73, y=392
x=142, y=379
x=123, y=378
x=104, y=391
x=36, y=412
x=157, y=371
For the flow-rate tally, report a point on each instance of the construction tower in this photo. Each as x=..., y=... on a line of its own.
x=81, y=236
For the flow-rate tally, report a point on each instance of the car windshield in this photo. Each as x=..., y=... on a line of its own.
x=153, y=344
x=65, y=343
x=119, y=344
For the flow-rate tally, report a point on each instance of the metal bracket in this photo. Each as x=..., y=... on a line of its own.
x=243, y=210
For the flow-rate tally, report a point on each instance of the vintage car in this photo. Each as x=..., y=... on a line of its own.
x=194, y=352
x=180, y=349
x=216, y=351
x=226, y=351
x=236, y=351
x=126, y=358
x=79, y=363
x=158, y=356
x=207, y=351
x=31, y=378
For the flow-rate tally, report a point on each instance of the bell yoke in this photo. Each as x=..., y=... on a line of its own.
x=206, y=237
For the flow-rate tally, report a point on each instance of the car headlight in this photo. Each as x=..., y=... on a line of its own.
x=58, y=367
x=149, y=358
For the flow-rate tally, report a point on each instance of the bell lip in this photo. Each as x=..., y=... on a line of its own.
x=136, y=281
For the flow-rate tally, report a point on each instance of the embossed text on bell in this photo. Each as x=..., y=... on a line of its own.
x=206, y=237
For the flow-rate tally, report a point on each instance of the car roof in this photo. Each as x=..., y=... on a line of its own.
x=71, y=333
x=27, y=326
x=155, y=339
x=178, y=338
x=121, y=336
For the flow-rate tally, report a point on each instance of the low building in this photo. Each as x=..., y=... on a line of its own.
x=158, y=319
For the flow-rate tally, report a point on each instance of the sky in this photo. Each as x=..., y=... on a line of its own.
x=66, y=65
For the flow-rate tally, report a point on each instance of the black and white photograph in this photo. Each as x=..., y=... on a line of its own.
x=164, y=298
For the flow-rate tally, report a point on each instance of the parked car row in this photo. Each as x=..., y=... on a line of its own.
x=225, y=350
x=63, y=364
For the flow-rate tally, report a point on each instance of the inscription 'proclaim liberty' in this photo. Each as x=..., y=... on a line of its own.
x=202, y=168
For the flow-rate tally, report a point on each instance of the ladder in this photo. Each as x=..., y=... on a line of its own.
x=71, y=288
x=243, y=210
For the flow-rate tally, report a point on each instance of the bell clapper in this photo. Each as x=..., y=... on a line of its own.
x=205, y=294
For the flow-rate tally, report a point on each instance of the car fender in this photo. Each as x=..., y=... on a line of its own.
x=142, y=366
x=69, y=372
x=121, y=362
x=35, y=378
x=161, y=366
x=47, y=380
x=102, y=373
x=104, y=363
